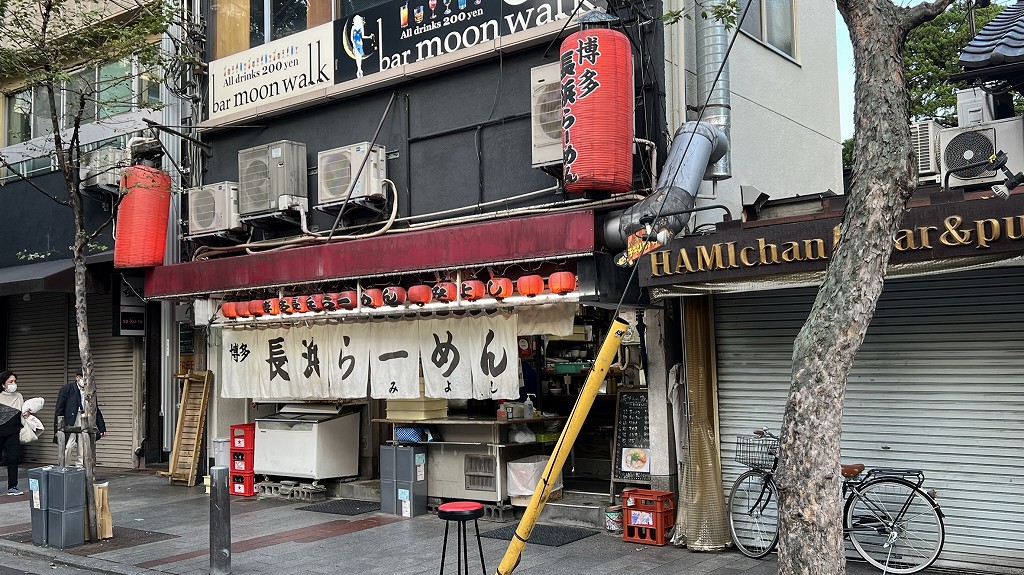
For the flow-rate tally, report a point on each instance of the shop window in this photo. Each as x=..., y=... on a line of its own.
x=771, y=22
x=242, y=24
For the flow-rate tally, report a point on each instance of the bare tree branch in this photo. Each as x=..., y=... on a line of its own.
x=914, y=16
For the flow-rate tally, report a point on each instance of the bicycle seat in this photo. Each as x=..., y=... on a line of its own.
x=852, y=470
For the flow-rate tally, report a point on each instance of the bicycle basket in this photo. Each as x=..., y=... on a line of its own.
x=756, y=452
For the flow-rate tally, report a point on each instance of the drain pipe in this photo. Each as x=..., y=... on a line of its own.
x=712, y=40
x=694, y=146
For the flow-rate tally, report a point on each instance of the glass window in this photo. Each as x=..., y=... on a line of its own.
x=42, y=123
x=80, y=97
x=114, y=89
x=289, y=17
x=771, y=22
x=149, y=89
x=19, y=117
x=242, y=24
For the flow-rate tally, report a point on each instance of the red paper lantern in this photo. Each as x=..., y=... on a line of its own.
x=242, y=309
x=597, y=115
x=499, y=288
x=271, y=306
x=255, y=307
x=348, y=299
x=227, y=309
x=420, y=294
x=445, y=291
x=394, y=295
x=473, y=289
x=286, y=305
x=329, y=302
x=562, y=282
x=142, y=218
x=530, y=285
x=372, y=298
x=314, y=302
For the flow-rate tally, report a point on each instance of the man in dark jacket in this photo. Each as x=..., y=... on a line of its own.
x=70, y=404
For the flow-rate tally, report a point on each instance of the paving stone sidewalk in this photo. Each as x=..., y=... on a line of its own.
x=164, y=529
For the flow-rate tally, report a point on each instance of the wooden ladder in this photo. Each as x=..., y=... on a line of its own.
x=188, y=437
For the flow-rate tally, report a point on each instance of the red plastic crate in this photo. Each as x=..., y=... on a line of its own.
x=242, y=484
x=648, y=527
x=647, y=500
x=241, y=461
x=243, y=436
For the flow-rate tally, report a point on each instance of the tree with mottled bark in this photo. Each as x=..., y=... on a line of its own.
x=42, y=43
x=884, y=177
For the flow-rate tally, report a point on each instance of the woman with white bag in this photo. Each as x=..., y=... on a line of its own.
x=12, y=415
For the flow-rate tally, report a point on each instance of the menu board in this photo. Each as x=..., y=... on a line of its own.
x=632, y=449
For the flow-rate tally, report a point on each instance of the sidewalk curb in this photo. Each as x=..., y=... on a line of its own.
x=72, y=560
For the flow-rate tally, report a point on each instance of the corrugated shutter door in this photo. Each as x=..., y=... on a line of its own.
x=938, y=385
x=36, y=337
x=113, y=360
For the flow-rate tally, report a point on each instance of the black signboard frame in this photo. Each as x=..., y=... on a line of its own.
x=632, y=430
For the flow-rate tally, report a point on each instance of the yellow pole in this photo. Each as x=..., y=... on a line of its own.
x=572, y=430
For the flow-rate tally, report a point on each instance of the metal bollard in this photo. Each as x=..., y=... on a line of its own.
x=220, y=521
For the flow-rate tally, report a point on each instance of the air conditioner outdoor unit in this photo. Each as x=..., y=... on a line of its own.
x=966, y=145
x=546, y=115
x=268, y=172
x=102, y=167
x=336, y=167
x=213, y=208
x=924, y=138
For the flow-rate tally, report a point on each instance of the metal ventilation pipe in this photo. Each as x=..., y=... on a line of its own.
x=694, y=146
x=712, y=38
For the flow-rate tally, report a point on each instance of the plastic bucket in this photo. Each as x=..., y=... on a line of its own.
x=613, y=519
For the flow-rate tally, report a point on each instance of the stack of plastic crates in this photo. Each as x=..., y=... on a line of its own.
x=243, y=446
x=756, y=452
x=647, y=515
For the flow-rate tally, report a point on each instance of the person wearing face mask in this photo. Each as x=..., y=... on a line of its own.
x=10, y=427
x=71, y=404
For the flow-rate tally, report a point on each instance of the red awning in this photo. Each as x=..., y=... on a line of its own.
x=557, y=235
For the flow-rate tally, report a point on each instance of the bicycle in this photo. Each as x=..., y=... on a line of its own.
x=893, y=524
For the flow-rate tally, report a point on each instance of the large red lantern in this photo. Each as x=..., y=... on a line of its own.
x=473, y=289
x=597, y=111
x=142, y=217
x=255, y=307
x=372, y=298
x=420, y=294
x=347, y=299
x=314, y=302
x=530, y=285
x=329, y=302
x=242, y=309
x=299, y=304
x=445, y=291
x=228, y=309
x=562, y=282
x=499, y=288
x=394, y=295
x=286, y=305
x=271, y=306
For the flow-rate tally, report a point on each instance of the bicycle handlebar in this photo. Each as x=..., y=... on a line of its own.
x=763, y=432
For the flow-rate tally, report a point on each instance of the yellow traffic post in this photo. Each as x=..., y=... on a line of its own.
x=565, y=442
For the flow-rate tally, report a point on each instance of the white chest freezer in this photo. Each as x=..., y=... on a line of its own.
x=308, y=440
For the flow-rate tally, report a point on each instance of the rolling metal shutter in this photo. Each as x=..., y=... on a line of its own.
x=36, y=339
x=938, y=385
x=114, y=367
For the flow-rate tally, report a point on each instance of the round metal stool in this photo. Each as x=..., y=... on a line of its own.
x=462, y=512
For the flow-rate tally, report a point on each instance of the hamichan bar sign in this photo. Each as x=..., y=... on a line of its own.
x=932, y=232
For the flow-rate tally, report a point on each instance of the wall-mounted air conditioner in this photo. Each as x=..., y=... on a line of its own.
x=213, y=208
x=102, y=167
x=336, y=167
x=546, y=115
x=966, y=145
x=269, y=173
x=924, y=138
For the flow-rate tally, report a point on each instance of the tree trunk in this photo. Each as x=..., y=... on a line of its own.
x=884, y=177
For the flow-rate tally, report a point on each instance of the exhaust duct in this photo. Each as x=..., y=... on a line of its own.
x=712, y=39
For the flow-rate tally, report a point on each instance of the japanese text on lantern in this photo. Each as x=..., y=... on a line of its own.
x=579, y=80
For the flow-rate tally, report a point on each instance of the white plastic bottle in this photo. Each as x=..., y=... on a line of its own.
x=528, y=407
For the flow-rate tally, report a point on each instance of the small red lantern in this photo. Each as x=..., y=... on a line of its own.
x=530, y=285
x=562, y=282
x=286, y=304
x=372, y=298
x=314, y=302
x=255, y=307
x=271, y=306
x=347, y=299
x=445, y=291
x=228, y=309
x=499, y=288
x=394, y=295
x=473, y=289
x=420, y=294
x=298, y=304
x=329, y=302
x=242, y=308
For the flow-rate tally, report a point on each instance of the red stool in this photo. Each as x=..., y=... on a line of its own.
x=462, y=511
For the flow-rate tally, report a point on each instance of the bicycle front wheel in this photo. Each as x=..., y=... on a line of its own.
x=754, y=514
x=894, y=525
